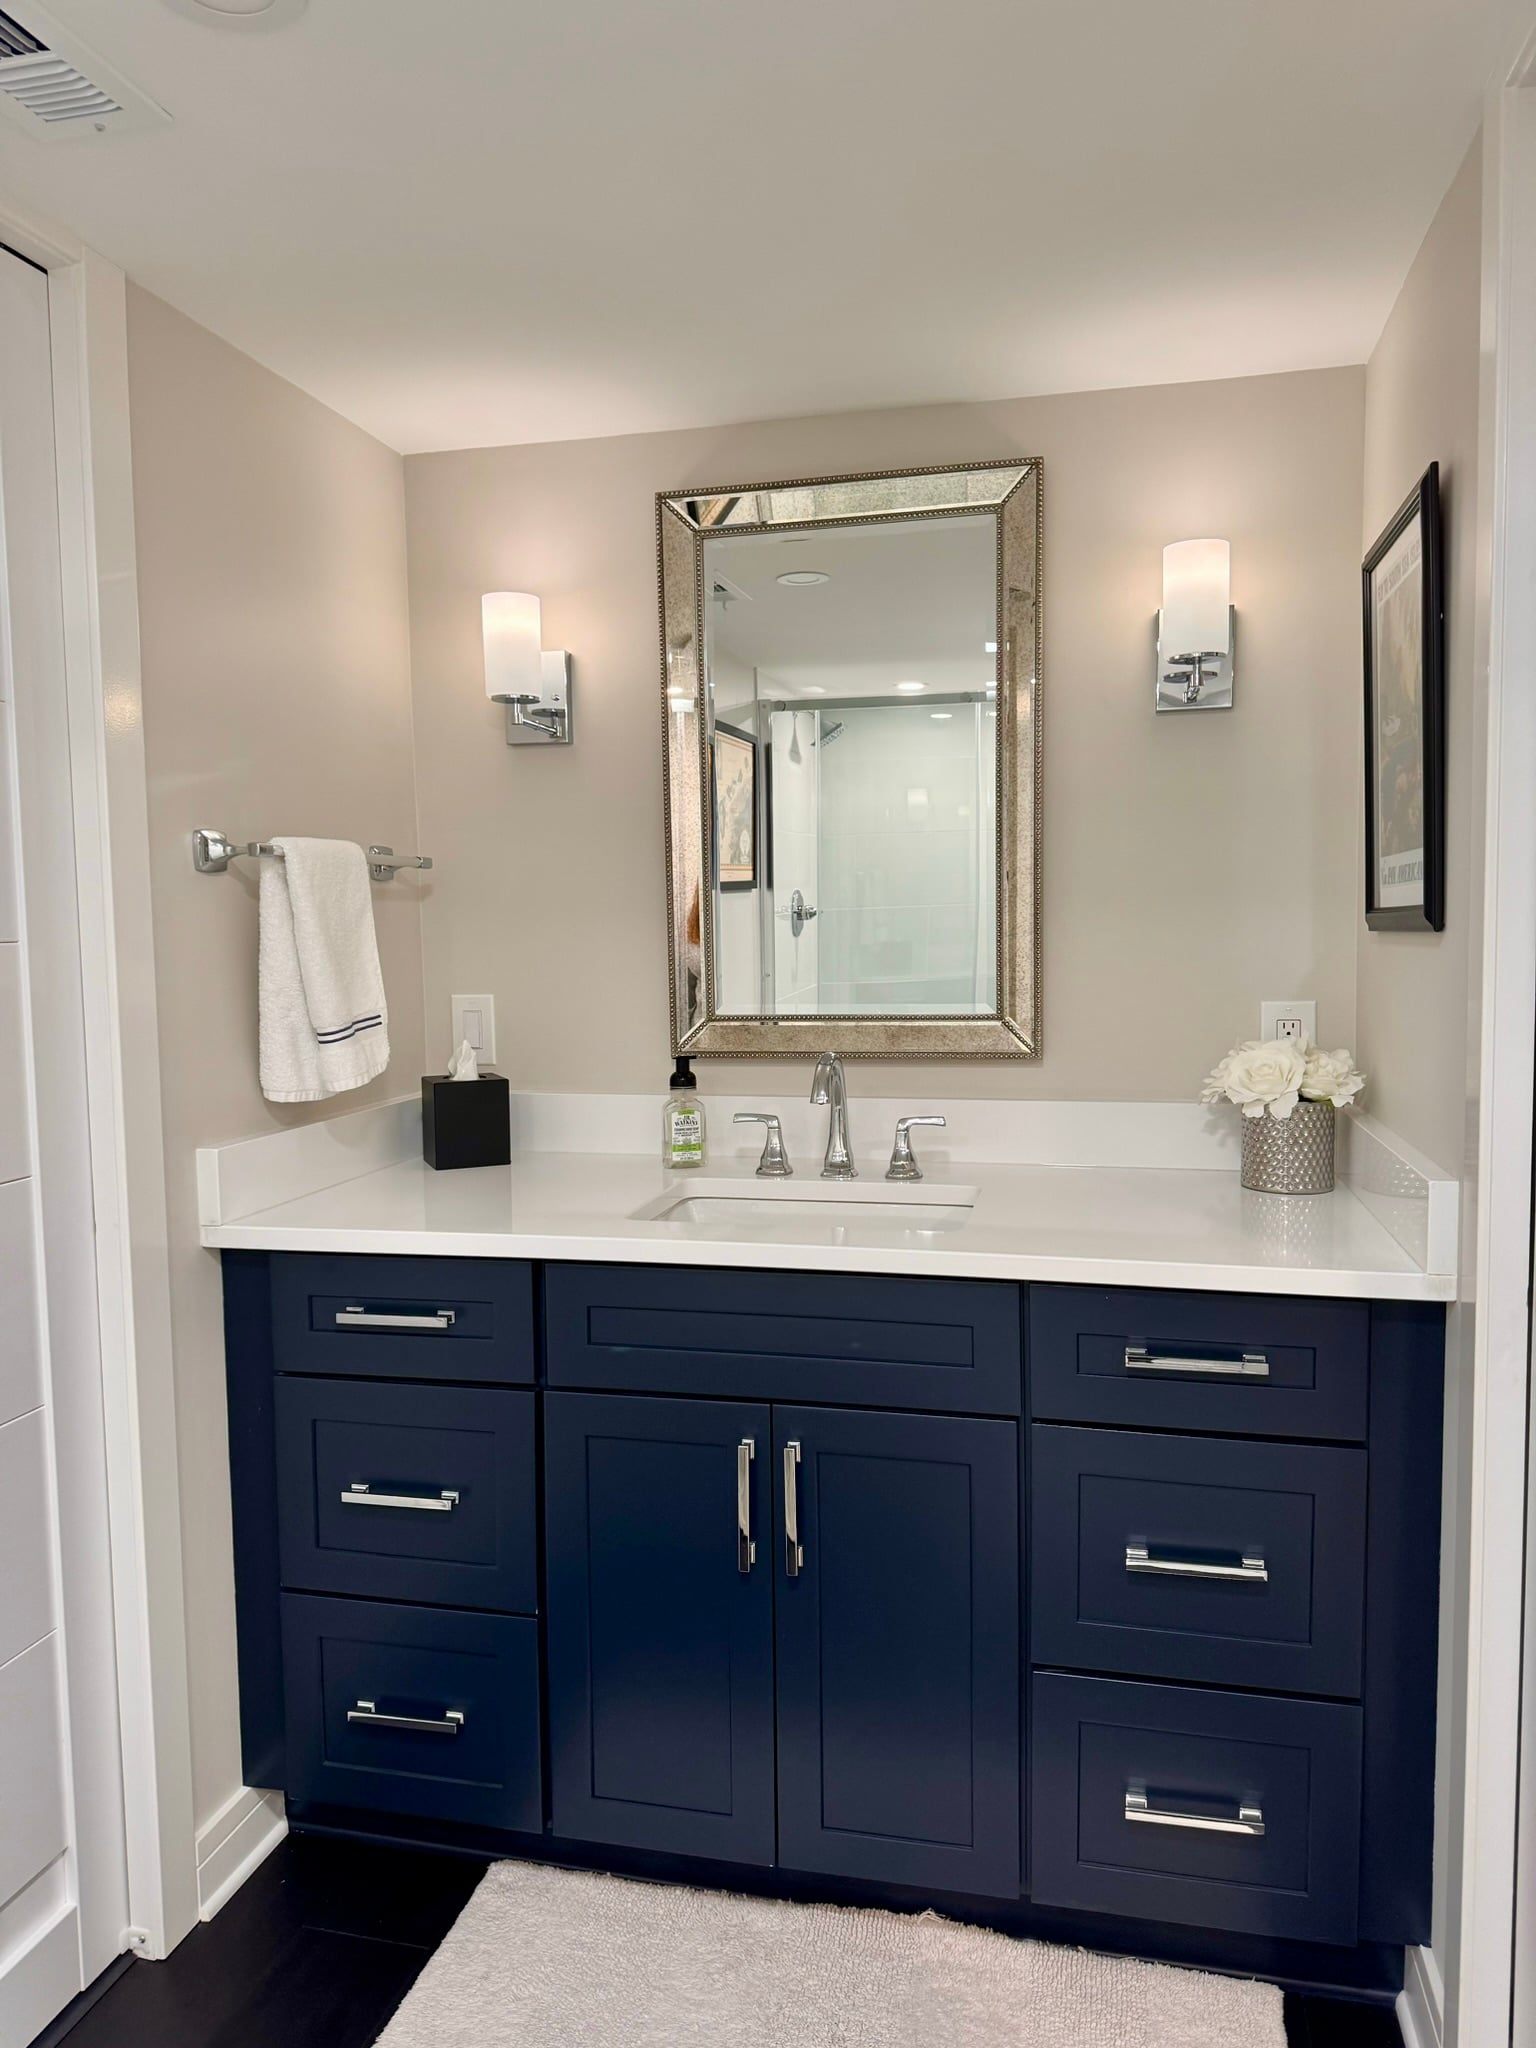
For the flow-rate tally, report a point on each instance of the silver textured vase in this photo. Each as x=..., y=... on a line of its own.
x=1290, y=1155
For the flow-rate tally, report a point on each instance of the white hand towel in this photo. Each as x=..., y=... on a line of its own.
x=324, y=1022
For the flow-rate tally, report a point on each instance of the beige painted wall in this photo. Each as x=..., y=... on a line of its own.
x=1421, y=397
x=276, y=665
x=1193, y=865
x=1418, y=991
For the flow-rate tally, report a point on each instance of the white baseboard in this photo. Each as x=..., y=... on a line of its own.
x=241, y=1835
x=1421, y=2002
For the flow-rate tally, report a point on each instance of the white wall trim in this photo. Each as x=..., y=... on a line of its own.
x=99, y=567
x=1421, y=2002
x=241, y=1835
x=1481, y=1999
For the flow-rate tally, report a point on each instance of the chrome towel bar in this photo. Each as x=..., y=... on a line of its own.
x=212, y=853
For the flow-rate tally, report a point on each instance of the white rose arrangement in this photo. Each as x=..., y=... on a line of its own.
x=1269, y=1076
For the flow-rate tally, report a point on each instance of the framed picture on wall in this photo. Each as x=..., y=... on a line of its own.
x=1405, y=718
x=736, y=808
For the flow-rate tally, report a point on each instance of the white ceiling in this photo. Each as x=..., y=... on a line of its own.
x=904, y=603
x=466, y=222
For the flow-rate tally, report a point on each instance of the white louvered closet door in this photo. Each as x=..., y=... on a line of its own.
x=62, y=1885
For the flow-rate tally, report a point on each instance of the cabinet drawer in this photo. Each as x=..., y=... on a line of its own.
x=1200, y=1558
x=414, y=1319
x=1251, y=1365
x=1211, y=1809
x=413, y=1710
x=408, y=1492
x=878, y=1342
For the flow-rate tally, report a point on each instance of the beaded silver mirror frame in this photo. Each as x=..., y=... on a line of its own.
x=1012, y=490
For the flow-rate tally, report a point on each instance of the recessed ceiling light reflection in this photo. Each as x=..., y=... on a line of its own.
x=800, y=579
x=911, y=689
x=941, y=714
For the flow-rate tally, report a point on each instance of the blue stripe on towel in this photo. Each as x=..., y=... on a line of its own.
x=346, y=1031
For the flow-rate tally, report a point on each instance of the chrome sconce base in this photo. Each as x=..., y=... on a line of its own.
x=1196, y=682
x=543, y=720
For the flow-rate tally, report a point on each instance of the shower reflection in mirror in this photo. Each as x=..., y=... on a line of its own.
x=851, y=680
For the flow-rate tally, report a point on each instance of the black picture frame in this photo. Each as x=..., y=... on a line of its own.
x=743, y=875
x=1405, y=716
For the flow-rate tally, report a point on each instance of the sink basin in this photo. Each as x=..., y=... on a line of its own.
x=787, y=1212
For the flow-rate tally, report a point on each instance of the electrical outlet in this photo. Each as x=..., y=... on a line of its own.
x=474, y=1018
x=1295, y=1019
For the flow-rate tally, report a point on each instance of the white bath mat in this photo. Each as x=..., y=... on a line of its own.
x=562, y=1959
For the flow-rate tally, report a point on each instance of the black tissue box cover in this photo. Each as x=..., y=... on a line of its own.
x=466, y=1123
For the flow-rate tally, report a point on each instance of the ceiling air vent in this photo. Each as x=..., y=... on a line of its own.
x=57, y=89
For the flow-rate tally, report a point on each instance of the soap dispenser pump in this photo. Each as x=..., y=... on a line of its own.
x=683, y=1139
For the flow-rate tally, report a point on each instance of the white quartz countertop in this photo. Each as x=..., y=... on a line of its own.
x=1100, y=1226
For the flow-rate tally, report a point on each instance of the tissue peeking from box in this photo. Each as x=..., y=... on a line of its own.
x=466, y=1126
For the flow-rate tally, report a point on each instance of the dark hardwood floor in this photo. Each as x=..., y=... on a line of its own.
x=321, y=1945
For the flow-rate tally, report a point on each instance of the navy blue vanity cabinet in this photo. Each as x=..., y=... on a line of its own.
x=1202, y=1558
x=1166, y=1802
x=876, y=1554
x=950, y=1345
x=1240, y=1495
x=832, y=1585
x=418, y=1710
x=413, y=1319
x=897, y=1624
x=1246, y=1364
x=405, y=1492
x=660, y=1575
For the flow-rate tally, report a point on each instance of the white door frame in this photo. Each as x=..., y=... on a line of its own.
x=1482, y=2016
x=87, y=307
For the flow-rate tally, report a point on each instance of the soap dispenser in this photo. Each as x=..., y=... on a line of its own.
x=683, y=1140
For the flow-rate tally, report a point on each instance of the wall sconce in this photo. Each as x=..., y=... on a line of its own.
x=1196, y=628
x=534, y=682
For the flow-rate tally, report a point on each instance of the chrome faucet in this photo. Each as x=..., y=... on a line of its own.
x=829, y=1089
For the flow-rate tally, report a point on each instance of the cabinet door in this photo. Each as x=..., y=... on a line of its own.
x=898, y=1647
x=660, y=1624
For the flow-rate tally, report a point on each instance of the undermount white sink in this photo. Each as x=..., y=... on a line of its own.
x=779, y=1209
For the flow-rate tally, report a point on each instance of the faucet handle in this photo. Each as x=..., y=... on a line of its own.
x=903, y=1166
x=774, y=1164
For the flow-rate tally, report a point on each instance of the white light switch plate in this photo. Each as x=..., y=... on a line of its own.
x=474, y=1018
x=1294, y=1019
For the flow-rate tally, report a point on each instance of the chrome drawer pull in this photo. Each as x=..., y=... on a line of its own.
x=1253, y=1365
x=366, y=1715
x=794, y=1552
x=1250, y=1819
x=360, y=1495
x=1252, y=1570
x=746, y=1549
x=372, y=1319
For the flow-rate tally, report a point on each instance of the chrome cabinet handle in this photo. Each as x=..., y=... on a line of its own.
x=794, y=1552
x=1250, y=1819
x=1252, y=1570
x=1253, y=1365
x=366, y=1715
x=371, y=1319
x=361, y=1495
x=746, y=1549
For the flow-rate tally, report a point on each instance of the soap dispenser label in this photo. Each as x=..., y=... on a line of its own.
x=687, y=1135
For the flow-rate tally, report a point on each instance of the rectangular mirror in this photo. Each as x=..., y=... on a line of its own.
x=851, y=674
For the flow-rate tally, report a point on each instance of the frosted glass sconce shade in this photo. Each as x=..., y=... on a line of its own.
x=511, y=624
x=1195, y=628
x=534, y=682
